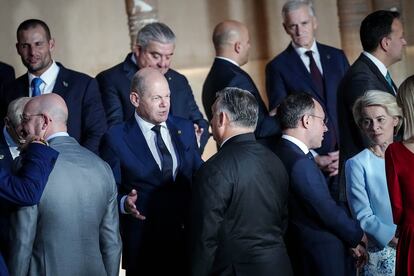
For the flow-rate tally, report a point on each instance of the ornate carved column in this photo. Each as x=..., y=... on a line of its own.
x=351, y=13
x=387, y=5
x=140, y=13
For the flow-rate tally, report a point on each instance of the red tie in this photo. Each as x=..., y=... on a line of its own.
x=316, y=74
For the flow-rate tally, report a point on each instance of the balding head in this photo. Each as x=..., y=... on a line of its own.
x=150, y=95
x=45, y=115
x=231, y=40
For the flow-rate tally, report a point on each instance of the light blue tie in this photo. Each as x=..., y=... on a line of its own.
x=389, y=80
x=36, y=82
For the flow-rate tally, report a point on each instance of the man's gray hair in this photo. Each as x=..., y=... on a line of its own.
x=15, y=110
x=240, y=106
x=296, y=4
x=156, y=31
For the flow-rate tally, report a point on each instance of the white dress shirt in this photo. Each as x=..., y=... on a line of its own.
x=48, y=78
x=13, y=147
x=301, y=51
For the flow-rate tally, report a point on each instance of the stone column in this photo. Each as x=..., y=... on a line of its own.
x=351, y=13
x=140, y=13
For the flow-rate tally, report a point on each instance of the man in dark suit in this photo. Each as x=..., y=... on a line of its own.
x=6, y=73
x=239, y=198
x=231, y=42
x=155, y=154
x=10, y=142
x=86, y=122
x=297, y=69
x=154, y=48
x=320, y=231
x=382, y=39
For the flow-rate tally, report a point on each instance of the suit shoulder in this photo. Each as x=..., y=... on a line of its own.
x=175, y=76
x=110, y=72
x=279, y=60
x=75, y=75
x=331, y=49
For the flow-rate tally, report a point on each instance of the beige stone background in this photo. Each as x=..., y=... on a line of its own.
x=92, y=35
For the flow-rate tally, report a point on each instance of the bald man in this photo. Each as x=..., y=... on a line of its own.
x=232, y=44
x=155, y=154
x=77, y=215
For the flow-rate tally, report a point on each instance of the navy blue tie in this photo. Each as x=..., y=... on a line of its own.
x=310, y=155
x=166, y=158
x=36, y=82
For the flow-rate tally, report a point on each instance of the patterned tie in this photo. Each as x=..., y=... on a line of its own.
x=166, y=158
x=389, y=80
x=316, y=74
x=36, y=82
x=310, y=155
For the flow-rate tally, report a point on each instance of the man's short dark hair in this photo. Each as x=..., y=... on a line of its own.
x=33, y=23
x=292, y=109
x=375, y=27
x=240, y=106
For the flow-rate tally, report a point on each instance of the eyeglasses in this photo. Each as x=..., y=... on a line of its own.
x=25, y=118
x=324, y=120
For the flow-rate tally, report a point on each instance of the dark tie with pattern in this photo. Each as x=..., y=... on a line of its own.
x=389, y=80
x=36, y=82
x=316, y=74
x=310, y=155
x=166, y=158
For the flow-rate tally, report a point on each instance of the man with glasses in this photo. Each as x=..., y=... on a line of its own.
x=320, y=232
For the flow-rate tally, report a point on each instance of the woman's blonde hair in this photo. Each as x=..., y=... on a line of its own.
x=405, y=99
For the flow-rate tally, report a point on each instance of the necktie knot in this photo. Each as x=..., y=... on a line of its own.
x=156, y=128
x=310, y=155
x=36, y=82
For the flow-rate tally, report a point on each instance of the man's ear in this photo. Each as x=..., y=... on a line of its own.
x=384, y=43
x=6, y=121
x=52, y=44
x=237, y=47
x=46, y=120
x=134, y=98
x=305, y=121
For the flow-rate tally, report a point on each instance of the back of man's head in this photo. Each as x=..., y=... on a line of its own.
x=375, y=27
x=156, y=31
x=53, y=106
x=240, y=106
x=292, y=109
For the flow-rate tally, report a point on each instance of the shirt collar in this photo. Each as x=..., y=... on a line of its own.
x=57, y=134
x=297, y=142
x=9, y=140
x=146, y=126
x=377, y=62
x=49, y=76
x=134, y=59
x=229, y=60
x=302, y=50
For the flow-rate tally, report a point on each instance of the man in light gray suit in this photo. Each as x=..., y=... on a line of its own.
x=74, y=230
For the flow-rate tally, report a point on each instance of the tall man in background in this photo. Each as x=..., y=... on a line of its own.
x=86, y=121
x=311, y=67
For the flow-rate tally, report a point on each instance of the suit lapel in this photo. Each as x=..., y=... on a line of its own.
x=179, y=146
x=377, y=73
x=62, y=84
x=299, y=69
x=129, y=67
x=136, y=142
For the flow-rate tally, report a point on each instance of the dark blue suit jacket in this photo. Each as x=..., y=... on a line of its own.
x=320, y=231
x=27, y=186
x=159, y=240
x=6, y=73
x=286, y=74
x=225, y=74
x=86, y=122
x=115, y=86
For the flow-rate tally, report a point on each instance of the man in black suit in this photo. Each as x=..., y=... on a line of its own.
x=86, y=122
x=309, y=66
x=382, y=39
x=232, y=44
x=154, y=48
x=6, y=73
x=239, y=197
x=320, y=231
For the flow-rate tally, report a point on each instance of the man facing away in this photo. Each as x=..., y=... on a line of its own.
x=311, y=67
x=86, y=120
x=155, y=154
x=239, y=197
x=154, y=48
x=320, y=232
x=74, y=230
x=382, y=38
x=232, y=44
